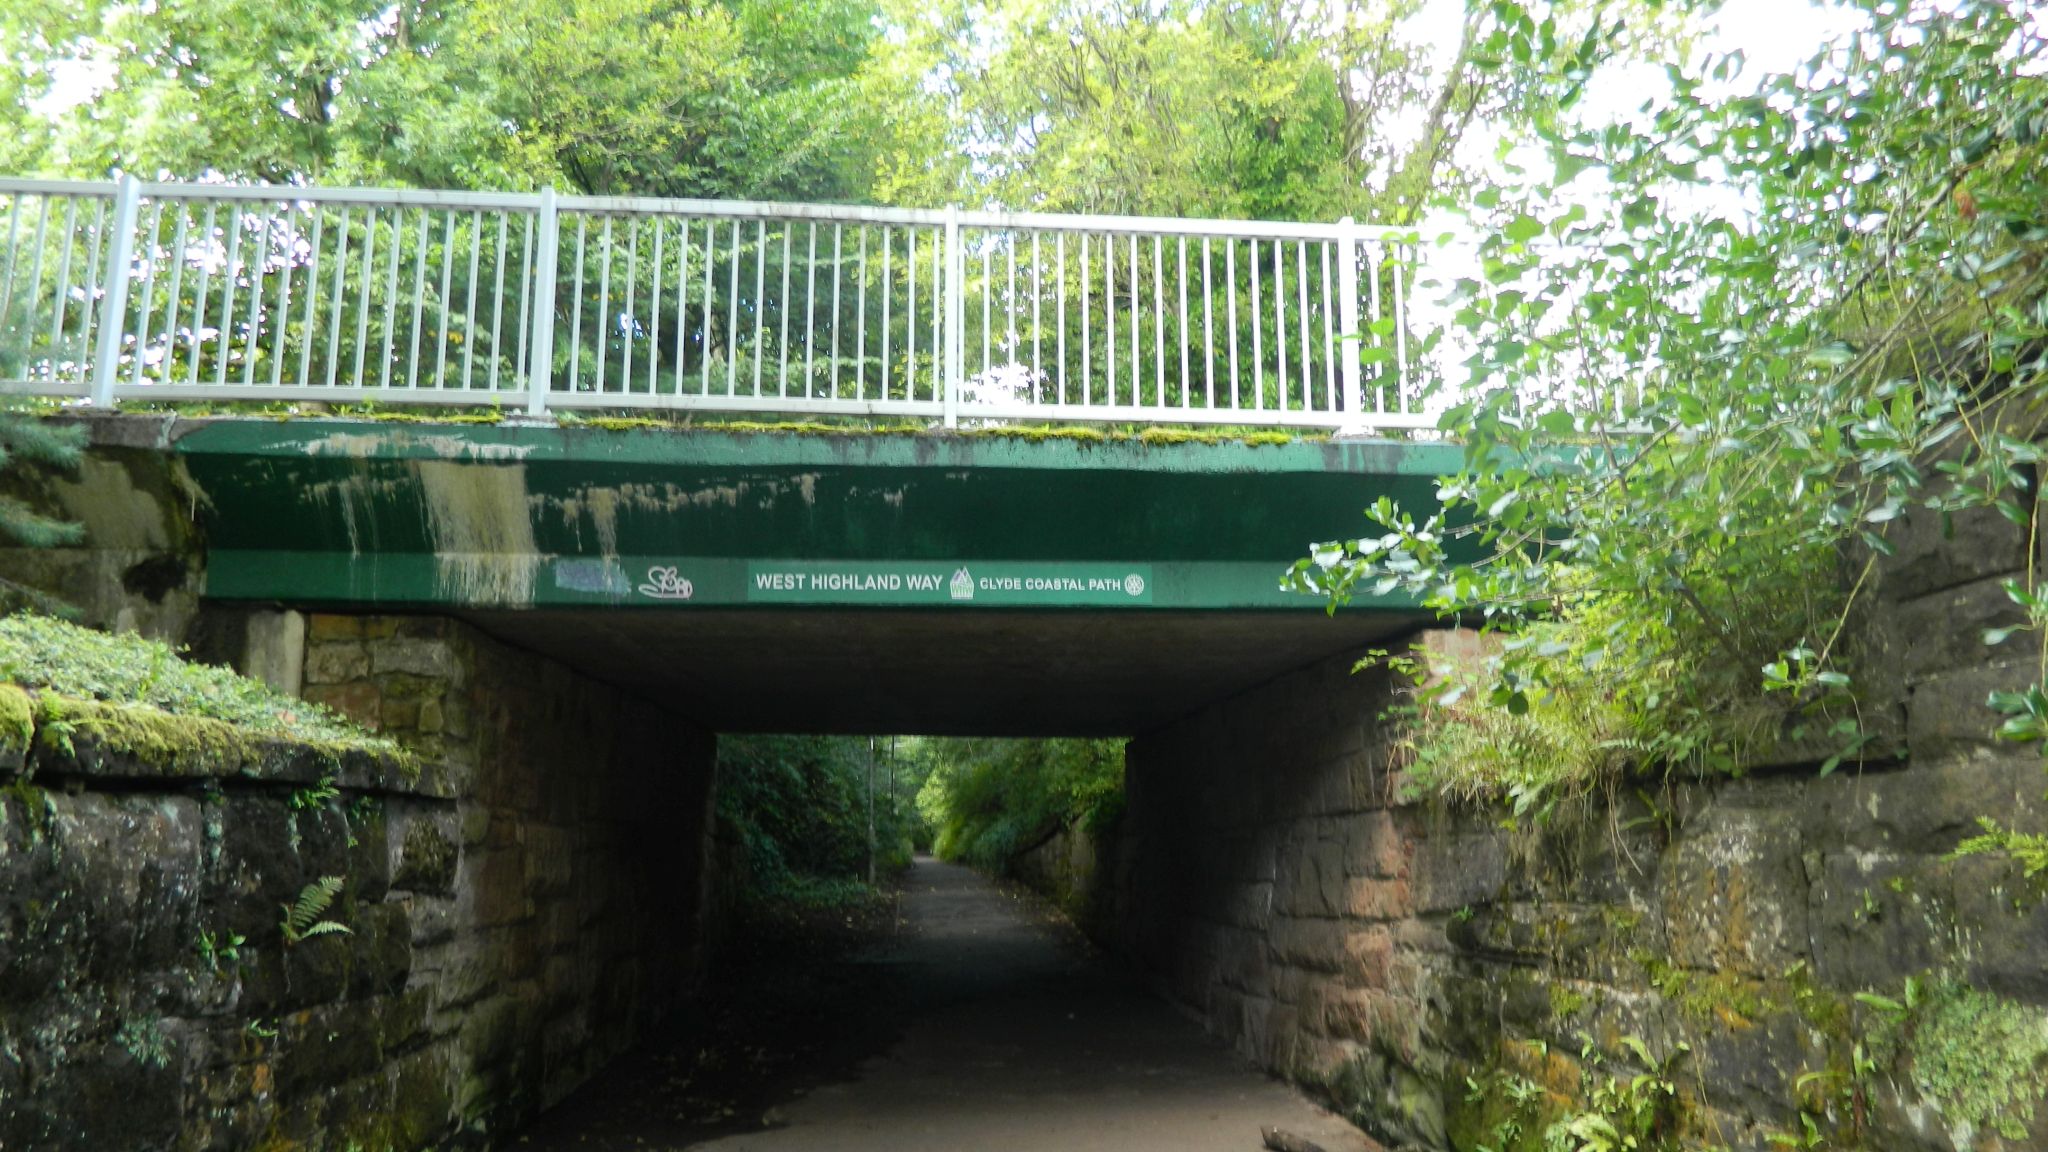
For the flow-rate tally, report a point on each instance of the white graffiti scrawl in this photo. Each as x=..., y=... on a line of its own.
x=663, y=584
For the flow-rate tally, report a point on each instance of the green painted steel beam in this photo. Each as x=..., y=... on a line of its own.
x=478, y=516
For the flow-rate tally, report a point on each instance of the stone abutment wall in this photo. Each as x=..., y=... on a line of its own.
x=518, y=913
x=1452, y=983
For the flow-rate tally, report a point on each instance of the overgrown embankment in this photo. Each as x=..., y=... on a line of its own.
x=806, y=822
x=234, y=919
x=1040, y=811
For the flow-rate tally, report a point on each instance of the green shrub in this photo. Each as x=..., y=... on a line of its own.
x=993, y=799
x=798, y=808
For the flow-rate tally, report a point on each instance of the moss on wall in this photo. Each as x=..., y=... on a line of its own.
x=167, y=743
x=17, y=724
x=1978, y=1057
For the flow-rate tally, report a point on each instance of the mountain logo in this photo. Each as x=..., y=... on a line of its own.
x=963, y=585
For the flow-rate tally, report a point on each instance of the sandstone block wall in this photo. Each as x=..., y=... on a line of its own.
x=1425, y=968
x=518, y=914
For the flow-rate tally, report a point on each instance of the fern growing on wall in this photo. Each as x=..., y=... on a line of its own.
x=303, y=918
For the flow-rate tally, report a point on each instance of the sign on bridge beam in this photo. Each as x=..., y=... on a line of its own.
x=370, y=514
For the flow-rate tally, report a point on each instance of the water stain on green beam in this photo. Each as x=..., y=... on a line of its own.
x=481, y=516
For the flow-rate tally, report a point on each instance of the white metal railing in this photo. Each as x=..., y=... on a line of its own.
x=131, y=290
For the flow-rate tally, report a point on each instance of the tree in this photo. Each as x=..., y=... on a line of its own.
x=653, y=97
x=1271, y=110
x=25, y=439
x=989, y=800
x=1693, y=385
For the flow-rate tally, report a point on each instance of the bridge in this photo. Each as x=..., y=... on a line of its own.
x=876, y=582
x=952, y=572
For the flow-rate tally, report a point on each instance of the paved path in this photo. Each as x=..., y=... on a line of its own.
x=1015, y=1040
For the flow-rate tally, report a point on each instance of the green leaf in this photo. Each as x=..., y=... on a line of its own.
x=1569, y=165
x=1832, y=355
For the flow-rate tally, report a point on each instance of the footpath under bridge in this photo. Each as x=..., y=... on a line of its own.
x=543, y=303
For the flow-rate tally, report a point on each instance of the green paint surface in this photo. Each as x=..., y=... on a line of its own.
x=968, y=584
x=350, y=512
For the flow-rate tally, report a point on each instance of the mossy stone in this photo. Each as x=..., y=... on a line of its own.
x=17, y=727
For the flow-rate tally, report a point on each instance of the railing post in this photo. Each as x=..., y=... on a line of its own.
x=955, y=289
x=541, y=341
x=114, y=304
x=1349, y=337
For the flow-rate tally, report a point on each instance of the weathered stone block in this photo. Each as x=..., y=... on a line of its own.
x=336, y=663
x=382, y=952
x=1371, y=899
x=464, y=970
x=1454, y=870
x=369, y=855
x=324, y=1047
x=427, y=658
x=434, y=918
x=422, y=1100
x=400, y=713
x=315, y=971
x=1734, y=891
x=1934, y=550
x=403, y=1019
x=2004, y=917
x=1310, y=880
x=357, y=700
x=1925, y=807
x=1368, y=956
x=1360, y=1015
x=1948, y=713
x=1743, y=1064
x=1317, y=945
x=274, y=649
x=496, y=880
x=321, y=626
x=1944, y=630
x=1376, y=846
x=94, y=888
x=422, y=847
x=117, y=1087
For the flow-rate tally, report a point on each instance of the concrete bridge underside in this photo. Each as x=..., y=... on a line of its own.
x=996, y=583
x=1001, y=673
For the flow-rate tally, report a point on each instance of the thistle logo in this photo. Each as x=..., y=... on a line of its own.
x=963, y=585
x=1134, y=585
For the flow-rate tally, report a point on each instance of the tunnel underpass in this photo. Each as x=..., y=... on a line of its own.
x=556, y=622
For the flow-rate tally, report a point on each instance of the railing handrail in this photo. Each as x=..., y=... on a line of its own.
x=313, y=194
x=779, y=210
x=41, y=187
x=270, y=240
